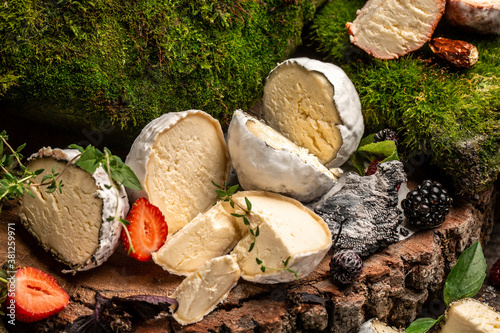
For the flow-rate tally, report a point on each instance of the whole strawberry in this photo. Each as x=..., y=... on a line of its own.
x=495, y=273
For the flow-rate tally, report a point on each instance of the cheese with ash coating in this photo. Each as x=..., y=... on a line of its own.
x=266, y=160
x=471, y=316
x=287, y=229
x=316, y=106
x=388, y=29
x=203, y=290
x=176, y=157
x=73, y=224
x=481, y=16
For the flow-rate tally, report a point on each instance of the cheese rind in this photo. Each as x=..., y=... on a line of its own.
x=470, y=316
x=481, y=16
x=375, y=326
x=203, y=290
x=73, y=225
x=287, y=229
x=266, y=160
x=175, y=157
x=316, y=106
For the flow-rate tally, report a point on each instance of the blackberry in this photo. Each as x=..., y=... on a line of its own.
x=386, y=135
x=346, y=266
x=426, y=206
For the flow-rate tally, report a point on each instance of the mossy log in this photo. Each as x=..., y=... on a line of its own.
x=77, y=63
x=447, y=116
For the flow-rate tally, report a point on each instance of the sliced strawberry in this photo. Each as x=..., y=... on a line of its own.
x=37, y=295
x=147, y=229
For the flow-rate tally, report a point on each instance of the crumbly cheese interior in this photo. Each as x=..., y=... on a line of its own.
x=389, y=28
x=69, y=222
x=279, y=142
x=382, y=328
x=209, y=235
x=201, y=291
x=184, y=161
x=286, y=229
x=471, y=316
x=299, y=104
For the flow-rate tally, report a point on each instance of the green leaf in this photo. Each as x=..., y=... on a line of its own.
x=367, y=140
x=383, y=148
x=252, y=232
x=394, y=157
x=90, y=159
x=257, y=232
x=21, y=147
x=249, y=204
x=221, y=193
x=30, y=193
x=74, y=146
x=237, y=215
x=124, y=222
x=263, y=269
x=467, y=276
x=421, y=325
x=126, y=177
x=285, y=264
x=110, y=218
x=246, y=221
x=232, y=189
x=357, y=162
x=258, y=261
x=39, y=171
x=251, y=246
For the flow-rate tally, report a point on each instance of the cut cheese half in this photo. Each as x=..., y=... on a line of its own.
x=316, y=106
x=287, y=231
x=376, y=326
x=388, y=29
x=176, y=157
x=203, y=290
x=470, y=316
x=482, y=16
x=266, y=160
x=74, y=224
x=209, y=235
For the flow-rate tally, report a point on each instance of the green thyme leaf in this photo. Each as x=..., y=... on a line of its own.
x=75, y=146
x=124, y=222
x=251, y=246
x=285, y=264
x=257, y=232
x=263, y=269
x=110, y=218
x=238, y=215
x=258, y=261
x=246, y=221
x=232, y=189
x=249, y=204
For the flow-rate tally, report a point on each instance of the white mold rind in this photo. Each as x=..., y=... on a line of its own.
x=481, y=16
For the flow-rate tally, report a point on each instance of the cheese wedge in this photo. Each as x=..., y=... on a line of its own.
x=287, y=231
x=470, y=316
x=209, y=235
x=201, y=291
x=480, y=16
x=266, y=160
x=316, y=106
x=73, y=224
x=176, y=157
x=375, y=326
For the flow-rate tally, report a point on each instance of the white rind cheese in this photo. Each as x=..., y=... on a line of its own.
x=266, y=160
x=74, y=225
x=388, y=29
x=375, y=326
x=175, y=157
x=481, y=16
x=203, y=290
x=209, y=235
x=316, y=106
x=470, y=316
x=287, y=229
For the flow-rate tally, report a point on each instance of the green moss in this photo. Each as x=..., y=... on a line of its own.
x=452, y=115
x=131, y=61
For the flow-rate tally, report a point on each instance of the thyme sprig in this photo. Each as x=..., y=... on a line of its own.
x=225, y=194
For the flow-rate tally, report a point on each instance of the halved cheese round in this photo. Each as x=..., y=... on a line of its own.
x=388, y=29
x=176, y=157
x=287, y=229
x=482, y=16
x=266, y=160
x=209, y=235
x=375, y=326
x=316, y=106
x=200, y=292
x=74, y=225
x=472, y=316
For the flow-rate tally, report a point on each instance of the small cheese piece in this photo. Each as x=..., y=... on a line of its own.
x=481, y=16
x=375, y=326
x=266, y=160
x=73, y=224
x=201, y=291
x=388, y=29
x=207, y=236
x=470, y=316
x=287, y=229
x=176, y=157
x=316, y=106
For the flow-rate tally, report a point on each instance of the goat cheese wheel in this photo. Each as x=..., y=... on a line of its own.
x=388, y=29
x=315, y=105
x=287, y=231
x=73, y=224
x=472, y=316
x=176, y=157
x=202, y=291
x=266, y=160
x=209, y=235
x=481, y=16
x=375, y=326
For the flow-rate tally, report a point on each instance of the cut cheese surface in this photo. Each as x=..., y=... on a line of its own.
x=201, y=291
x=287, y=229
x=315, y=105
x=209, y=235
x=376, y=326
x=176, y=157
x=388, y=29
x=471, y=316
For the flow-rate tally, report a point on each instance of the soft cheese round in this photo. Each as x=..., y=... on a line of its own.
x=266, y=160
x=315, y=105
x=482, y=16
x=176, y=157
x=74, y=224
